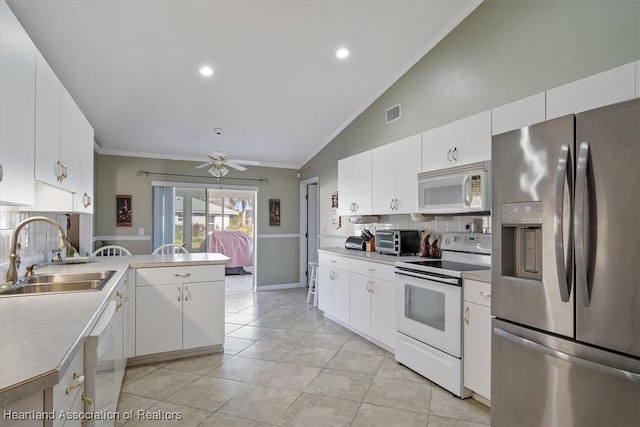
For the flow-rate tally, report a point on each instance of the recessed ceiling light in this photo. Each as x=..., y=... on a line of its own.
x=206, y=71
x=342, y=53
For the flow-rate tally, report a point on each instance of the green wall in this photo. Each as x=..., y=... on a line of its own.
x=502, y=52
x=118, y=175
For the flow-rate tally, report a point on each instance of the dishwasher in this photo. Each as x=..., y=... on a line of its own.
x=100, y=364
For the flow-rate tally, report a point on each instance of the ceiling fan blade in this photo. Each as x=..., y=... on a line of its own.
x=204, y=165
x=245, y=162
x=235, y=165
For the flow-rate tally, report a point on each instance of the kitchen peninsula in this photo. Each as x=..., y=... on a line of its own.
x=41, y=335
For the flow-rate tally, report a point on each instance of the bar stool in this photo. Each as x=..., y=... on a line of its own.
x=313, y=282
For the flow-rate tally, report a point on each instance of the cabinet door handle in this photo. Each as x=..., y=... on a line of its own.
x=484, y=294
x=466, y=315
x=449, y=155
x=179, y=293
x=454, y=154
x=86, y=200
x=77, y=384
x=1, y=173
x=183, y=274
x=187, y=293
x=61, y=171
x=86, y=399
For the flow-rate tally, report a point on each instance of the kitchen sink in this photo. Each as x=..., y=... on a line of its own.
x=62, y=282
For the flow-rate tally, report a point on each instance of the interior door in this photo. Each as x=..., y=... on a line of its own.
x=606, y=224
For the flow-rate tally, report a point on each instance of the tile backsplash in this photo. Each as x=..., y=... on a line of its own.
x=36, y=239
x=434, y=225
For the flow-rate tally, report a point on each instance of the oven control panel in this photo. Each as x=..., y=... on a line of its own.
x=467, y=242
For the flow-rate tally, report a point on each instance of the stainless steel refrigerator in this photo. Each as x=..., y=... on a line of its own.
x=566, y=271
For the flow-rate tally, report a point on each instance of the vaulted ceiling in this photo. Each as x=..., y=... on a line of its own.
x=278, y=90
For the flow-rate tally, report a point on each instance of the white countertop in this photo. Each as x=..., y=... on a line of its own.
x=40, y=334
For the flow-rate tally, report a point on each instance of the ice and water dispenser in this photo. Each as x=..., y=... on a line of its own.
x=522, y=240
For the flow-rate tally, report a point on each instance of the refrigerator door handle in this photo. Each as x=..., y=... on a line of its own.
x=562, y=176
x=578, y=221
x=588, y=364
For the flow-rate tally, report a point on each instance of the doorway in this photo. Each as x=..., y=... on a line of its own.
x=308, y=227
x=203, y=219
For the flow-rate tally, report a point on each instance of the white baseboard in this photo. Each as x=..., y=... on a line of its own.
x=281, y=286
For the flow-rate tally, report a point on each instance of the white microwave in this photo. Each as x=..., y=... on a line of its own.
x=460, y=189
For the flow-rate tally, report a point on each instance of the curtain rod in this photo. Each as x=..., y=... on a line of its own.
x=147, y=173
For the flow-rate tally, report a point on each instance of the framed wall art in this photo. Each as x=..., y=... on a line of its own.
x=274, y=211
x=123, y=210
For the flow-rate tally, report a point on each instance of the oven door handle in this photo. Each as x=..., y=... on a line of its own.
x=455, y=282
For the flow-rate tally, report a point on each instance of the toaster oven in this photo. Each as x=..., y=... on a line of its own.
x=398, y=242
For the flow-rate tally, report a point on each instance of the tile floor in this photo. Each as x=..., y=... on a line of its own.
x=238, y=282
x=285, y=365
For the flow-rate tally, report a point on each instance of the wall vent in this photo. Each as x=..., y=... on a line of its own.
x=393, y=113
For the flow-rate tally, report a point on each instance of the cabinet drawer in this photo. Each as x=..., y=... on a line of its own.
x=66, y=391
x=334, y=261
x=478, y=292
x=373, y=269
x=186, y=274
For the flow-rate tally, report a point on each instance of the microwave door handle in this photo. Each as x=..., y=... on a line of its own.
x=466, y=195
x=580, y=227
x=562, y=174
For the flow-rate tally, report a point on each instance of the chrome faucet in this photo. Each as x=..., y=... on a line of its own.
x=12, y=272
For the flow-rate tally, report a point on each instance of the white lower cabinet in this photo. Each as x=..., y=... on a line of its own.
x=341, y=295
x=333, y=285
x=202, y=326
x=383, y=312
x=158, y=319
x=69, y=392
x=325, y=289
x=373, y=301
x=174, y=311
x=360, y=295
x=360, y=300
x=477, y=337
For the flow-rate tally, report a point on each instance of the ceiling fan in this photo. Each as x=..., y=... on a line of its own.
x=219, y=161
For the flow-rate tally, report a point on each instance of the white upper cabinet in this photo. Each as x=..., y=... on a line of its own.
x=354, y=184
x=609, y=87
x=395, y=181
x=17, y=96
x=518, y=114
x=464, y=141
x=436, y=148
x=472, y=139
x=47, y=123
x=63, y=140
